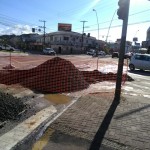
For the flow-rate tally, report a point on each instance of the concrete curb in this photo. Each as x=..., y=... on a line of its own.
x=26, y=129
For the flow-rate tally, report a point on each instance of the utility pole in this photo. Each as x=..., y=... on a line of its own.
x=44, y=31
x=123, y=13
x=82, y=32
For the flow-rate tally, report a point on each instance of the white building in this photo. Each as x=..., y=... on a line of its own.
x=65, y=42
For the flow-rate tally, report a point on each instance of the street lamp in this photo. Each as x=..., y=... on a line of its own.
x=97, y=22
x=98, y=32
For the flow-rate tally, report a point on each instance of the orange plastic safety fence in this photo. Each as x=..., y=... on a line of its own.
x=56, y=75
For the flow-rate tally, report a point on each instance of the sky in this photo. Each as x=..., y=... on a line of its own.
x=20, y=16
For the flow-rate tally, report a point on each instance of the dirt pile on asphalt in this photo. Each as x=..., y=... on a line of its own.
x=96, y=76
x=56, y=75
x=10, y=107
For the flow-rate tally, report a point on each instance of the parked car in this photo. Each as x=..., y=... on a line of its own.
x=100, y=53
x=115, y=54
x=49, y=51
x=140, y=61
x=7, y=47
x=91, y=52
x=126, y=55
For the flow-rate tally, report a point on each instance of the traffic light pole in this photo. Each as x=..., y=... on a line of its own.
x=121, y=55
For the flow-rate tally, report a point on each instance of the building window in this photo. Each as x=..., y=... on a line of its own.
x=73, y=39
x=51, y=38
x=55, y=38
x=66, y=38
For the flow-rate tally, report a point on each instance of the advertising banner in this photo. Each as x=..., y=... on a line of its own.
x=64, y=27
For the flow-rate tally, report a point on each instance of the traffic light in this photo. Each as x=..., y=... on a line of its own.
x=33, y=29
x=123, y=9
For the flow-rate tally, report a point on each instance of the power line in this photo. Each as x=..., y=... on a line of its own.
x=117, y=19
x=120, y=25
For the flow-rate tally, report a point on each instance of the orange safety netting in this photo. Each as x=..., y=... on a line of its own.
x=56, y=75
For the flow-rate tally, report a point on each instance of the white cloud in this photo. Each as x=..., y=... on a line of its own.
x=17, y=29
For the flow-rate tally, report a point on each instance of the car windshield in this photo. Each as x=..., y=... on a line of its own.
x=48, y=49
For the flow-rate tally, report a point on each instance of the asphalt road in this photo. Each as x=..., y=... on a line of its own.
x=139, y=89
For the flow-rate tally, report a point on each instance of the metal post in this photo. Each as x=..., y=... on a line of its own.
x=98, y=35
x=97, y=22
x=121, y=55
x=82, y=33
x=10, y=58
x=44, y=32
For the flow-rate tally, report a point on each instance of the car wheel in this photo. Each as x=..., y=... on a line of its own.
x=132, y=67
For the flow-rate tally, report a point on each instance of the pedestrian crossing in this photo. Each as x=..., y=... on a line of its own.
x=139, y=89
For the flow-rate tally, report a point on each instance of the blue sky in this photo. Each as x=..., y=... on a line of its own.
x=19, y=16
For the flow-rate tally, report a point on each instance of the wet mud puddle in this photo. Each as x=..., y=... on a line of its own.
x=57, y=98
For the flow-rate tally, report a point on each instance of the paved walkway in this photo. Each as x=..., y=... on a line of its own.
x=129, y=128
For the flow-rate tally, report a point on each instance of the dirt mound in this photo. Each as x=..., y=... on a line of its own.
x=96, y=76
x=55, y=76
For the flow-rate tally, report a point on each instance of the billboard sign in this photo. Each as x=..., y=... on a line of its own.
x=64, y=27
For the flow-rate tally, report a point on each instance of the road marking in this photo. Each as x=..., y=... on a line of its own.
x=136, y=85
x=139, y=76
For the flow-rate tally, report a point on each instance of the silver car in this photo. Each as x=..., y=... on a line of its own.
x=140, y=61
x=49, y=51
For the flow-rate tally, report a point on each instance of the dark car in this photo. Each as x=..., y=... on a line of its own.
x=126, y=55
x=115, y=54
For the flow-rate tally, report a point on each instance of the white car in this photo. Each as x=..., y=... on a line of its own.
x=7, y=47
x=140, y=61
x=91, y=52
x=49, y=51
x=101, y=53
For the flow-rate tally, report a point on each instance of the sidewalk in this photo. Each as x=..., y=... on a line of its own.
x=129, y=128
x=77, y=126
x=26, y=129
